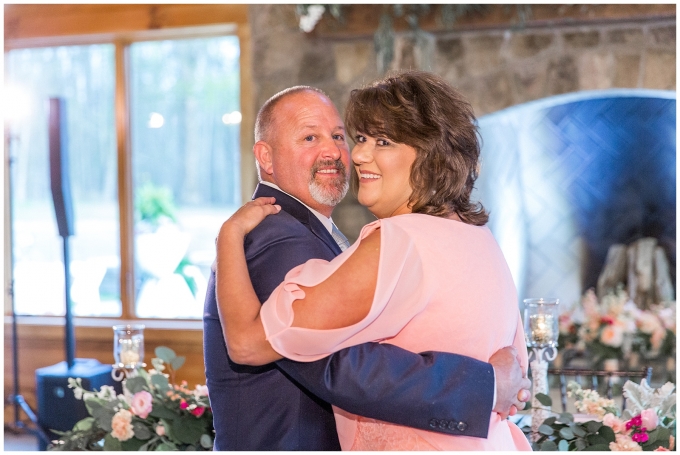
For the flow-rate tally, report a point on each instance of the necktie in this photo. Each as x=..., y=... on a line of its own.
x=339, y=238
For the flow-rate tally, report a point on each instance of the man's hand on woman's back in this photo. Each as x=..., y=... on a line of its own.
x=512, y=388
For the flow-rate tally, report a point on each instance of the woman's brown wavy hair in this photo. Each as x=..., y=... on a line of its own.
x=423, y=111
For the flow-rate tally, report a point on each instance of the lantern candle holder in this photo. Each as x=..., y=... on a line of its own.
x=541, y=331
x=128, y=350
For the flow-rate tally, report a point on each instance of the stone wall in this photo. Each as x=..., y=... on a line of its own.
x=495, y=67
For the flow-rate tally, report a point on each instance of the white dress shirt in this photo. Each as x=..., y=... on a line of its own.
x=327, y=221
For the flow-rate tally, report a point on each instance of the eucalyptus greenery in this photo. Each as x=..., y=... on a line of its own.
x=560, y=432
x=384, y=36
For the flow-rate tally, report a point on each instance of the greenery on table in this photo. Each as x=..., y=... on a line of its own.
x=648, y=423
x=152, y=414
x=560, y=432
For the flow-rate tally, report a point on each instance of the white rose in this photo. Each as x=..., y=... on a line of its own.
x=612, y=335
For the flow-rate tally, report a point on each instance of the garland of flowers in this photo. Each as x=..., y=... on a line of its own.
x=647, y=424
x=615, y=327
x=150, y=414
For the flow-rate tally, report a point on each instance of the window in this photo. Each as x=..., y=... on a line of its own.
x=84, y=77
x=185, y=139
x=182, y=149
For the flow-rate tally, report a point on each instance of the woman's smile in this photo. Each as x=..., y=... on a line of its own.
x=367, y=176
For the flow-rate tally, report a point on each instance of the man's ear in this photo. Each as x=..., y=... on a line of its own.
x=263, y=155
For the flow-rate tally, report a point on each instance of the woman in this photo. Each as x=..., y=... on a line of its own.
x=426, y=276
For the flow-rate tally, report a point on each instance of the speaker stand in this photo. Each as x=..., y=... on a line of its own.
x=15, y=399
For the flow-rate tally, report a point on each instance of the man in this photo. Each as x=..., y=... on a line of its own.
x=303, y=161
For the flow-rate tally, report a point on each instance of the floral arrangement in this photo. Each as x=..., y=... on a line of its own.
x=152, y=413
x=647, y=424
x=656, y=331
x=615, y=327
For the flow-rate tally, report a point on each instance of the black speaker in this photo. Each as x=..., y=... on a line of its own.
x=59, y=175
x=58, y=408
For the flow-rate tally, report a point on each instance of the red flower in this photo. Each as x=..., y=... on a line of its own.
x=198, y=412
x=607, y=320
x=640, y=437
x=183, y=404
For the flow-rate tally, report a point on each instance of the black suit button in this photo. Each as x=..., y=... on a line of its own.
x=443, y=424
x=452, y=425
x=462, y=426
x=434, y=423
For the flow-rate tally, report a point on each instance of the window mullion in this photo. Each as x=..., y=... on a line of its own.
x=125, y=199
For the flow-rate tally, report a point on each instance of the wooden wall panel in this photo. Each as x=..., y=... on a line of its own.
x=41, y=346
x=32, y=21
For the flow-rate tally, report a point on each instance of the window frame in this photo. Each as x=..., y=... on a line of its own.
x=122, y=42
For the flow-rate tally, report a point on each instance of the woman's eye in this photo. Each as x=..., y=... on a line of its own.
x=382, y=142
x=339, y=137
x=359, y=138
x=309, y=138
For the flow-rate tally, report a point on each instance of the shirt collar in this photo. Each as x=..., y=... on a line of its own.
x=326, y=221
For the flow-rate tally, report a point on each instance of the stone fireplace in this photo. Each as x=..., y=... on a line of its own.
x=567, y=177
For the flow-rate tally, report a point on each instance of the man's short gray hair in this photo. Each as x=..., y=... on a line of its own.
x=265, y=116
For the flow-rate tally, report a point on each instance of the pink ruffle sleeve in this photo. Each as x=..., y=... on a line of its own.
x=399, y=296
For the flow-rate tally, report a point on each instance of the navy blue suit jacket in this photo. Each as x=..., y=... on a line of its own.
x=285, y=405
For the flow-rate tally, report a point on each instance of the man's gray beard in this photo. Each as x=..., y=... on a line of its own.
x=328, y=196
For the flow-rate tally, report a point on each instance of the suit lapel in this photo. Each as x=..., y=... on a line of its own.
x=301, y=213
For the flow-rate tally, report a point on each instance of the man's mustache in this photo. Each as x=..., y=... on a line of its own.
x=338, y=164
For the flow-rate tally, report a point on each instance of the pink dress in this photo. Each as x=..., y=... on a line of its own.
x=442, y=285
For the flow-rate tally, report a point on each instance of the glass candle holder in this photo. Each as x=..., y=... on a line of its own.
x=128, y=345
x=541, y=319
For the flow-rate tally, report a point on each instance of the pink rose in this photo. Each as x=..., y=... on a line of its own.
x=183, y=404
x=198, y=412
x=649, y=419
x=658, y=335
x=160, y=430
x=122, y=425
x=142, y=403
x=648, y=322
x=614, y=423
